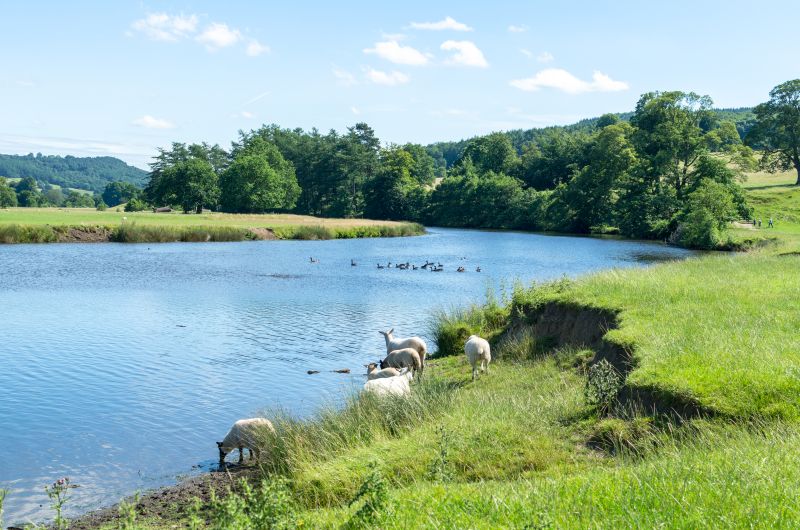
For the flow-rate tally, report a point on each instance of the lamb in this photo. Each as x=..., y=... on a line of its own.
x=244, y=433
x=478, y=351
x=396, y=343
x=390, y=386
x=374, y=373
x=403, y=358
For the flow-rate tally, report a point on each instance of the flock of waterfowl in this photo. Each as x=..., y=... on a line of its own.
x=431, y=266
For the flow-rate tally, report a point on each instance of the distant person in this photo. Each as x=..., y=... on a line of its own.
x=770, y=224
x=754, y=223
x=759, y=223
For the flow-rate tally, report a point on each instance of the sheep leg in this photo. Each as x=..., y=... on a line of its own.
x=241, y=454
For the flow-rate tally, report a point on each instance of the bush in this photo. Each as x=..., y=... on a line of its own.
x=603, y=383
x=269, y=506
x=135, y=205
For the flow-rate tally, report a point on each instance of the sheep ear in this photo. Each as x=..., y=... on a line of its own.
x=390, y=331
x=219, y=444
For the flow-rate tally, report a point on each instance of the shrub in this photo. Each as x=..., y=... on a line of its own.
x=375, y=496
x=269, y=506
x=135, y=205
x=603, y=383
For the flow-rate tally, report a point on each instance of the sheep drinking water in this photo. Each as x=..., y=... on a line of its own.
x=244, y=433
x=478, y=353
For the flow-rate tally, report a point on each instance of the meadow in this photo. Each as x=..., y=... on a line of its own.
x=37, y=225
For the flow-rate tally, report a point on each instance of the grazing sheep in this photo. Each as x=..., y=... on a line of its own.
x=390, y=386
x=374, y=373
x=397, y=343
x=478, y=351
x=244, y=433
x=403, y=358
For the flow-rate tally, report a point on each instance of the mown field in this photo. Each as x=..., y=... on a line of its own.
x=526, y=446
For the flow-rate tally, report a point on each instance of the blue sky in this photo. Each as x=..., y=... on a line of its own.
x=122, y=78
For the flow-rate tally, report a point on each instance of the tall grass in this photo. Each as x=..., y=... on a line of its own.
x=14, y=233
x=134, y=233
x=320, y=232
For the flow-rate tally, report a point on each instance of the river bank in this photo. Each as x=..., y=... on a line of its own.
x=84, y=225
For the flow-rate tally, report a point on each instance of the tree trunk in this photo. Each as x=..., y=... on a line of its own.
x=199, y=209
x=797, y=167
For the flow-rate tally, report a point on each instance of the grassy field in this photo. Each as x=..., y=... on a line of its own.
x=37, y=225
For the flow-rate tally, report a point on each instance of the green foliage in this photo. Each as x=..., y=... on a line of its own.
x=89, y=173
x=8, y=199
x=14, y=233
x=373, y=496
x=451, y=329
x=493, y=152
x=260, y=179
x=603, y=383
x=136, y=233
x=120, y=192
x=135, y=205
x=270, y=506
x=777, y=128
x=440, y=468
x=58, y=493
x=127, y=514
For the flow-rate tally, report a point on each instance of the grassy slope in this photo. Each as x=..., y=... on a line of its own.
x=775, y=195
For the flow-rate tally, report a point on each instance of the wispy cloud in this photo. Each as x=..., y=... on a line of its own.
x=526, y=53
x=255, y=98
x=255, y=48
x=149, y=122
x=355, y=110
x=466, y=53
x=164, y=27
x=379, y=77
x=218, y=35
x=559, y=79
x=392, y=51
x=343, y=77
x=25, y=83
x=517, y=29
x=545, y=57
x=447, y=24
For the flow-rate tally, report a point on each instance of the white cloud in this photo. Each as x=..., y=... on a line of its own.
x=343, y=77
x=393, y=78
x=149, y=122
x=218, y=35
x=447, y=23
x=355, y=110
x=164, y=27
x=25, y=83
x=393, y=52
x=564, y=81
x=466, y=53
x=545, y=57
x=255, y=48
x=517, y=29
x=526, y=53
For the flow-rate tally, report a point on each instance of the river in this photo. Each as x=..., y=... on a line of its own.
x=121, y=365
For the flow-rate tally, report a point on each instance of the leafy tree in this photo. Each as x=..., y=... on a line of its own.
x=423, y=169
x=551, y=159
x=387, y=195
x=53, y=196
x=777, y=128
x=669, y=136
x=119, y=192
x=709, y=209
x=8, y=199
x=191, y=183
x=358, y=160
x=27, y=184
x=493, y=152
x=75, y=199
x=259, y=180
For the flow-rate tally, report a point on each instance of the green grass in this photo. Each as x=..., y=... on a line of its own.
x=38, y=225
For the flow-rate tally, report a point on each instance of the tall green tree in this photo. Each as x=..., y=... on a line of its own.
x=191, y=183
x=388, y=195
x=777, y=128
x=260, y=179
x=119, y=192
x=8, y=199
x=493, y=152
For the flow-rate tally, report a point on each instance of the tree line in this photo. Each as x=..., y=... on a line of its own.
x=670, y=169
x=86, y=173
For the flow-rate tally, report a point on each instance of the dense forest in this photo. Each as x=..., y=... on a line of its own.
x=669, y=169
x=85, y=173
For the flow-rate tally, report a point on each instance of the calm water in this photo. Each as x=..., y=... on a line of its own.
x=121, y=365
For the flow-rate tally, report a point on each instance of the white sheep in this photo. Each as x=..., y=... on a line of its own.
x=390, y=386
x=403, y=358
x=396, y=343
x=244, y=433
x=478, y=351
x=374, y=373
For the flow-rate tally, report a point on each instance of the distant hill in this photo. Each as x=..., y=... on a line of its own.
x=448, y=152
x=86, y=173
